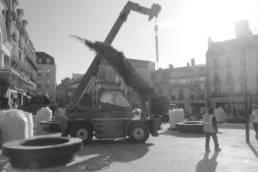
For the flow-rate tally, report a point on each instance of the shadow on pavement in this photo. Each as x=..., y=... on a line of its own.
x=179, y=134
x=206, y=164
x=253, y=149
x=99, y=154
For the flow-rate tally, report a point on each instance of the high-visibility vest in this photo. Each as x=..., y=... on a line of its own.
x=207, y=124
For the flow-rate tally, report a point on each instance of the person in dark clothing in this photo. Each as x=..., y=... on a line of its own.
x=210, y=129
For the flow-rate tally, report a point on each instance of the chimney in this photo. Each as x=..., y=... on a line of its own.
x=188, y=64
x=210, y=42
x=170, y=66
x=192, y=62
x=242, y=29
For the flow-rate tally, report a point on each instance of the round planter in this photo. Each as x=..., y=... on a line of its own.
x=41, y=152
x=190, y=127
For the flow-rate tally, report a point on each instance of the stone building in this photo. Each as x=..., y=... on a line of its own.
x=233, y=70
x=65, y=90
x=18, y=68
x=184, y=86
x=46, y=83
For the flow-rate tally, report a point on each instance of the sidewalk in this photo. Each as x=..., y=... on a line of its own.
x=170, y=152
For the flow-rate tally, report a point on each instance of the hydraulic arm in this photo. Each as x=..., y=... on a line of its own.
x=89, y=77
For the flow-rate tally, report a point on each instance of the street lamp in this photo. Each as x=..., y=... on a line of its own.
x=245, y=94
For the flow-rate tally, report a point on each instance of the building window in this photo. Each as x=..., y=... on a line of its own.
x=257, y=85
x=47, y=84
x=48, y=61
x=217, y=83
x=242, y=81
x=173, y=95
x=47, y=93
x=181, y=94
x=39, y=73
x=229, y=62
x=39, y=61
x=6, y=61
x=48, y=73
x=216, y=63
x=256, y=58
x=191, y=92
x=229, y=82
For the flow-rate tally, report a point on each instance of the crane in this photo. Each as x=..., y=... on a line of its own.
x=89, y=77
x=112, y=119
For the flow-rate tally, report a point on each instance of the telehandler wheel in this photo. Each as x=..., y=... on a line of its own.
x=83, y=132
x=138, y=133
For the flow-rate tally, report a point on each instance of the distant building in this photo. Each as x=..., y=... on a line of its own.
x=66, y=89
x=184, y=86
x=46, y=83
x=232, y=64
x=18, y=67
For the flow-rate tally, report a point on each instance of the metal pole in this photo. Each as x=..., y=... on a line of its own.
x=156, y=42
x=247, y=137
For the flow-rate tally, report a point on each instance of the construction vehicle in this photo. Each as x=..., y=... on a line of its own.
x=112, y=116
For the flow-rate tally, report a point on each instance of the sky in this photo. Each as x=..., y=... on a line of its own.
x=184, y=28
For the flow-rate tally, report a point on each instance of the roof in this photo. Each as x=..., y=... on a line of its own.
x=42, y=58
x=230, y=45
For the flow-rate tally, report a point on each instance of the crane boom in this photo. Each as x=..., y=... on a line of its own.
x=93, y=68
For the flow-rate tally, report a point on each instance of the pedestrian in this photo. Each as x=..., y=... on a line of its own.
x=210, y=129
x=254, y=119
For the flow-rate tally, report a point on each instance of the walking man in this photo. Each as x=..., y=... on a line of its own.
x=254, y=119
x=210, y=129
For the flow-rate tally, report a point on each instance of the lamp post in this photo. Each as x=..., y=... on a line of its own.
x=245, y=95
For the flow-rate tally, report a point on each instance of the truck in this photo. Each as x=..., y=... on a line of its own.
x=111, y=116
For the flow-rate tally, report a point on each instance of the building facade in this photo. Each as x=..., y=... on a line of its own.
x=46, y=83
x=233, y=70
x=66, y=89
x=184, y=86
x=18, y=67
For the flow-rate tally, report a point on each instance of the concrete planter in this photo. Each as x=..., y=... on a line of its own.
x=190, y=127
x=41, y=152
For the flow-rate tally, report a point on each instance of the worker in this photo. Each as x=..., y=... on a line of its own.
x=254, y=119
x=210, y=129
